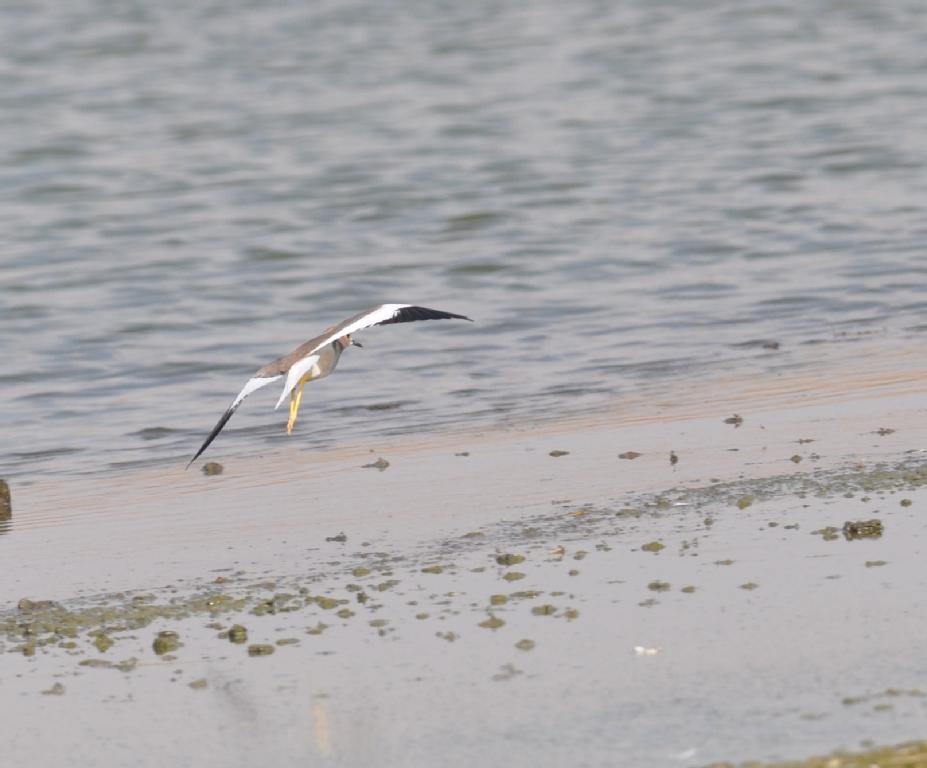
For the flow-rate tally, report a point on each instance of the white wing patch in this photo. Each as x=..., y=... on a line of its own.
x=378, y=315
x=299, y=369
x=253, y=384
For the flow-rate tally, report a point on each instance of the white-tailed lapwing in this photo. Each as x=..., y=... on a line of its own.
x=318, y=357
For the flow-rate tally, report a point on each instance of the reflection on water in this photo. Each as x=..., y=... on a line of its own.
x=616, y=194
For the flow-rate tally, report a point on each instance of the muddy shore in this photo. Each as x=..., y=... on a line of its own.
x=558, y=593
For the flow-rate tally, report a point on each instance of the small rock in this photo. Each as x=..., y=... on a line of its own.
x=862, y=529
x=796, y=459
x=736, y=420
x=379, y=464
x=212, y=468
x=524, y=645
x=165, y=642
x=198, y=685
x=238, y=634
x=653, y=546
x=557, y=454
x=745, y=501
x=674, y=459
x=629, y=455
x=510, y=559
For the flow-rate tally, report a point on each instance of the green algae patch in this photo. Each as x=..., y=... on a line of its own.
x=544, y=610
x=6, y=501
x=525, y=645
x=102, y=641
x=260, y=649
x=328, y=603
x=653, y=546
x=493, y=622
x=510, y=559
x=166, y=642
x=122, y=666
x=238, y=634
x=345, y=613
x=910, y=755
x=862, y=529
x=828, y=533
x=498, y=599
x=745, y=501
x=513, y=576
x=360, y=572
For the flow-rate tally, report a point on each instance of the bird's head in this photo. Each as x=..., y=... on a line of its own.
x=347, y=341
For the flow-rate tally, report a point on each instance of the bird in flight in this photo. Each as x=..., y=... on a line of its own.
x=318, y=357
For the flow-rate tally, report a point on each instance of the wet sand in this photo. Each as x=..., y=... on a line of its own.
x=520, y=596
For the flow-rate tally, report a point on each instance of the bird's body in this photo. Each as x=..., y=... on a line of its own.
x=319, y=356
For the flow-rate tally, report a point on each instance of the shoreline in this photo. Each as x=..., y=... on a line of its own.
x=697, y=603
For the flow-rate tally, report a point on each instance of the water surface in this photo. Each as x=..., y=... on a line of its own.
x=619, y=194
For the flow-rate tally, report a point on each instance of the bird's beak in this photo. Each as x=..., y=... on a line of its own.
x=355, y=344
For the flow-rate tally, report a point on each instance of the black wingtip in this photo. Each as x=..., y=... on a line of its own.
x=212, y=435
x=413, y=313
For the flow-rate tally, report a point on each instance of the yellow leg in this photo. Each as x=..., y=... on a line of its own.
x=296, y=397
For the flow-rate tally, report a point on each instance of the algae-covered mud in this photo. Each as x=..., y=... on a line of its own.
x=481, y=602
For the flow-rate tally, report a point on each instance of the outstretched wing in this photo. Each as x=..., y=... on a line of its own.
x=382, y=315
x=300, y=360
x=253, y=384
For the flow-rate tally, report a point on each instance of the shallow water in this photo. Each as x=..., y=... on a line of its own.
x=617, y=193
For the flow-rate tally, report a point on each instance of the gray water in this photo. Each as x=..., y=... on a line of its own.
x=617, y=193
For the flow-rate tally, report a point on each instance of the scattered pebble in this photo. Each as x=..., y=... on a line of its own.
x=630, y=455
x=653, y=546
x=260, y=649
x=211, y=468
x=557, y=454
x=199, y=684
x=510, y=559
x=674, y=459
x=736, y=420
x=493, y=622
x=524, y=645
x=238, y=634
x=796, y=459
x=745, y=501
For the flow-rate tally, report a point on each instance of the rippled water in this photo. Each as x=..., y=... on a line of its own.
x=616, y=193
